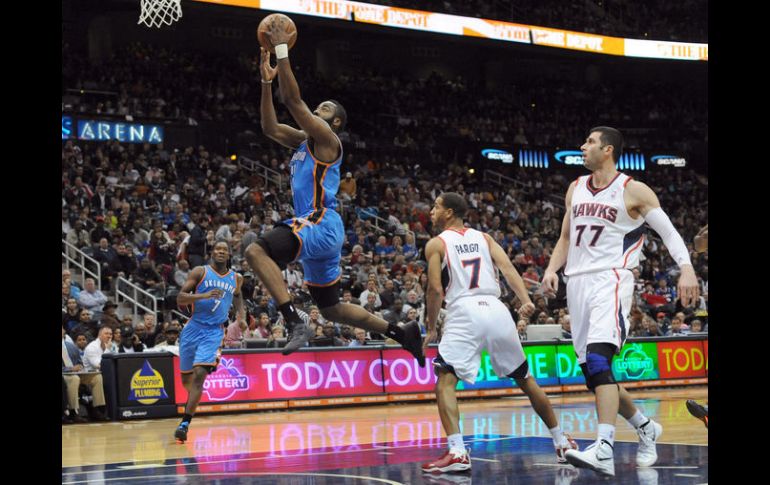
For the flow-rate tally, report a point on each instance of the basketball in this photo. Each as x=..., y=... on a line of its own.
x=288, y=26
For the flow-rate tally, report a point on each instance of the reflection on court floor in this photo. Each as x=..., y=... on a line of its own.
x=382, y=444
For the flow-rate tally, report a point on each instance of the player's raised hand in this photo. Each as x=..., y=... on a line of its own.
x=550, y=283
x=267, y=71
x=687, y=287
x=276, y=31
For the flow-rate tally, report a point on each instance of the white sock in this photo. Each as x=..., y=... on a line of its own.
x=607, y=433
x=456, y=442
x=637, y=419
x=557, y=434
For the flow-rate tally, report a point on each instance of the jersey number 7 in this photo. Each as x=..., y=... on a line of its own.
x=475, y=263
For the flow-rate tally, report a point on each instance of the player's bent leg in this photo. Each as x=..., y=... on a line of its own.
x=599, y=456
x=457, y=458
x=267, y=257
x=407, y=335
x=542, y=406
x=195, y=380
x=269, y=273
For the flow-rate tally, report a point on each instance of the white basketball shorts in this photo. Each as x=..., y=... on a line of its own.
x=475, y=323
x=599, y=304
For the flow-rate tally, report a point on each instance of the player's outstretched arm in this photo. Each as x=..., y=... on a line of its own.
x=434, y=295
x=640, y=199
x=278, y=132
x=559, y=255
x=512, y=277
x=314, y=126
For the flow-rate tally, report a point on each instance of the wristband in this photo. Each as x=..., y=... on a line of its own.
x=281, y=51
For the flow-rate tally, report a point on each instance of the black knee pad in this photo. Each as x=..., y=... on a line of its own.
x=521, y=371
x=440, y=364
x=281, y=244
x=598, y=366
x=325, y=296
x=584, y=369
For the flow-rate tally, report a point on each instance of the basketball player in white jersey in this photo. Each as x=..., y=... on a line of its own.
x=601, y=238
x=462, y=269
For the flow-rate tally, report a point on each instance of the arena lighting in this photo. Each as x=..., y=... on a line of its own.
x=495, y=154
x=569, y=157
x=670, y=160
x=475, y=27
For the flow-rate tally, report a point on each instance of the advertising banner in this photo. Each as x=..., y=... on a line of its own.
x=636, y=362
x=682, y=359
x=388, y=16
x=145, y=381
x=269, y=376
x=260, y=380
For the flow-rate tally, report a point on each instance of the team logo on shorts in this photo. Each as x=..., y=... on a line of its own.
x=147, y=385
x=225, y=382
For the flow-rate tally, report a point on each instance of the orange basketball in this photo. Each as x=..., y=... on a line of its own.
x=288, y=26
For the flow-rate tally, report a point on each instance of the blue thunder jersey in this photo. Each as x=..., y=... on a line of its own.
x=213, y=311
x=314, y=183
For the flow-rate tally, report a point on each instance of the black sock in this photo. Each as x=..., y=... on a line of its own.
x=186, y=419
x=395, y=332
x=290, y=314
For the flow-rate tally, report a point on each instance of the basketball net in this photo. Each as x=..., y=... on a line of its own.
x=157, y=13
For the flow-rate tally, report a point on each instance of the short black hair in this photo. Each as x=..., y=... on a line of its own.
x=339, y=112
x=456, y=202
x=610, y=136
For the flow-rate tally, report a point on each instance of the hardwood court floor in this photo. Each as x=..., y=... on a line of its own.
x=314, y=442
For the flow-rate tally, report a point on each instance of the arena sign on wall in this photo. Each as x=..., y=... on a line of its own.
x=103, y=130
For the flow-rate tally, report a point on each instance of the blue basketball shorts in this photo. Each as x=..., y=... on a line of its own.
x=200, y=345
x=320, y=246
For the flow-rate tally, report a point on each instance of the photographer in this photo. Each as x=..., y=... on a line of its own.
x=130, y=342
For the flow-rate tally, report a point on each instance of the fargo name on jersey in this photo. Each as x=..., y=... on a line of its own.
x=466, y=248
x=594, y=209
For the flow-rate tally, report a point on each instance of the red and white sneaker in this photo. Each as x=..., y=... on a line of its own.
x=567, y=444
x=451, y=461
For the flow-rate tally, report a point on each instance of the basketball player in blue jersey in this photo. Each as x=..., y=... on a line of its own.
x=210, y=290
x=315, y=234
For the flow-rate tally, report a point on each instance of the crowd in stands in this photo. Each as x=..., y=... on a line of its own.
x=144, y=229
x=418, y=123
x=685, y=21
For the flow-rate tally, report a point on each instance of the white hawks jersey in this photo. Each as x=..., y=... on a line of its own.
x=602, y=234
x=467, y=268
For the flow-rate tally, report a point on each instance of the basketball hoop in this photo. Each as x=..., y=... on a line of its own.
x=157, y=13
